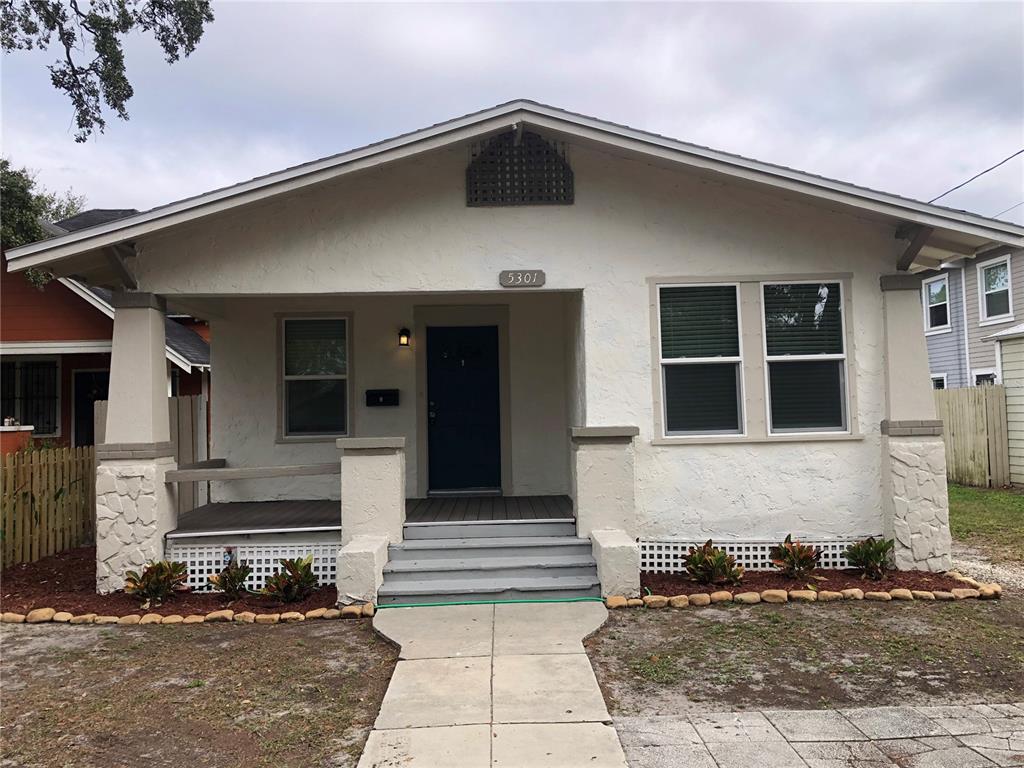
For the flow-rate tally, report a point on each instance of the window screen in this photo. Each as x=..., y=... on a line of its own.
x=315, y=363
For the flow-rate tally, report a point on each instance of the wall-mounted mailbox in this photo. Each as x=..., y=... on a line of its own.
x=376, y=398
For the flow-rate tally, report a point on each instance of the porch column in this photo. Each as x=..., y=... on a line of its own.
x=915, y=503
x=372, y=512
x=134, y=507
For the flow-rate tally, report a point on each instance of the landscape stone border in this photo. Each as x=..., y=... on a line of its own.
x=53, y=616
x=972, y=589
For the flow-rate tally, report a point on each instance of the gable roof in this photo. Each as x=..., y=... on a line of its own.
x=955, y=232
x=185, y=348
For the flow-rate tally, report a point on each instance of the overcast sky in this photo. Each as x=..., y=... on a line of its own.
x=910, y=98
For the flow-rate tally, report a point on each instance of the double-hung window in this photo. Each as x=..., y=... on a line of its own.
x=31, y=394
x=995, y=289
x=701, y=359
x=315, y=370
x=936, y=303
x=805, y=354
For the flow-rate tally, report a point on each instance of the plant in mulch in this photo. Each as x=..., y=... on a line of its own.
x=707, y=564
x=294, y=582
x=231, y=581
x=158, y=581
x=794, y=559
x=873, y=557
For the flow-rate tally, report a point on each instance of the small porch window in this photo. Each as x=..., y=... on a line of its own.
x=806, y=357
x=936, y=301
x=315, y=369
x=701, y=360
x=31, y=394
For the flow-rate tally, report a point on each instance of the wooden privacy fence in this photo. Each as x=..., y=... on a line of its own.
x=188, y=434
x=975, y=434
x=48, y=502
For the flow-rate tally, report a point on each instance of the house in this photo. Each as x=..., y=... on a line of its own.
x=1009, y=354
x=525, y=353
x=55, y=344
x=966, y=300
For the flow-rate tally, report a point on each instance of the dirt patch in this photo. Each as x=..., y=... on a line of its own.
x=835, y=580
x=214, y=695
x=661, y=662
x=67, y=582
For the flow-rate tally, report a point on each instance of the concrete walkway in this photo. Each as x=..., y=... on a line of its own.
x=975, y=736
x=502, y=686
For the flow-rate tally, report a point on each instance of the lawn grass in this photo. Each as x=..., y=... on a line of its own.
x=990, y=519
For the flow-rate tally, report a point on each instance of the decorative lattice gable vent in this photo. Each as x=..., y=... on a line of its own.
x=518, y=168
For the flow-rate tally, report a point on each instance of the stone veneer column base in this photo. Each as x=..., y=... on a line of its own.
x=915, y=500
x=134, y=510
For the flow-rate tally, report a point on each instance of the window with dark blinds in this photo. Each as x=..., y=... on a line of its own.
x=315, y=373
x=30, y=393
x=700, y=359
x=806, y=356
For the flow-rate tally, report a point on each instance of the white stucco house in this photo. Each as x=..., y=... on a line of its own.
x=532, y=353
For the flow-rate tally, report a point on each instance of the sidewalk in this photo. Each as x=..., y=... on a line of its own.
x=503, y=686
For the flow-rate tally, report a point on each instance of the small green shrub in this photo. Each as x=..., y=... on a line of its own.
x=294, y=582
x=231, y=581
x=708, y=564
x=793, y=559
x=873, y=557
x=158, y=581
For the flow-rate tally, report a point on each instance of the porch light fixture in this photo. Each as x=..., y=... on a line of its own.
x=403, y=337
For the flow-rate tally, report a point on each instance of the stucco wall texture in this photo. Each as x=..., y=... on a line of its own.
x=405, y=228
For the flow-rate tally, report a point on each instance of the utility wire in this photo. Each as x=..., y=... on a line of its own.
x=978, y=175
x=1018, y=205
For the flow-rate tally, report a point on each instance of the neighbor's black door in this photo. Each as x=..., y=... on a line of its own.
x=463, y=422
x=90, y=386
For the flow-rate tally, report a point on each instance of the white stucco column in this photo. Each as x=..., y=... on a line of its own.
x=914, y=495
x=603, y=479
x=134, y=507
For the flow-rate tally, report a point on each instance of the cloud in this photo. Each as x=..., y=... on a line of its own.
x=905, y=97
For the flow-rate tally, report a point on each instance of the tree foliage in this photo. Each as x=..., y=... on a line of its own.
x=74, y=28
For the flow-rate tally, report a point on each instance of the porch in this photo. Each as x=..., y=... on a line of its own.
x=236, y=518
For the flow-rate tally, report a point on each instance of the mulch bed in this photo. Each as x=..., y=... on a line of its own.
x=67, y=582
x=836, y=580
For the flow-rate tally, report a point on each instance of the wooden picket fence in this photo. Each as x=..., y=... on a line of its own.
x=975, y=434
x=48, y=502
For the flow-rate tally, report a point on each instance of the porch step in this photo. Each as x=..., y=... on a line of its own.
x=490, y=529
x=473, y=567
x=489, y=590
x=491, y=548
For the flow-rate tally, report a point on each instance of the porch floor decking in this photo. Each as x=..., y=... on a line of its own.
x=325, y=514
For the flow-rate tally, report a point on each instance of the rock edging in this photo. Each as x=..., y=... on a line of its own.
x=53, y=616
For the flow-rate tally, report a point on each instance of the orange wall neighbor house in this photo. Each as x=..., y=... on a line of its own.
x=51, y=314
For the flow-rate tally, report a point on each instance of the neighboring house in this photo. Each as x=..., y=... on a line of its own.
x=55, y=346
x=966, y=301
x=533, y=353
x=1009, y=349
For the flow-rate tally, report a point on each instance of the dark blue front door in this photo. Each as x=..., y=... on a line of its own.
x=463, y=422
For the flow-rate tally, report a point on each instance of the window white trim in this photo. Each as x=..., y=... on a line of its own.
x=983, y=316
x=939, y=377
x=930, y=329
x=985, y=372
x=283, y=378
x=49, y=348
x=737, y=360
x=768, y=359
x=17, y=390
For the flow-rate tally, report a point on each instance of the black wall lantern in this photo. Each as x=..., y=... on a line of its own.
x=403, y=337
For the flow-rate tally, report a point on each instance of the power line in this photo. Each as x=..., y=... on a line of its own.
x=978, y=175
x=1018, y=205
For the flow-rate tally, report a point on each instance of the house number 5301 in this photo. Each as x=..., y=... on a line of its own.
x=521, y=278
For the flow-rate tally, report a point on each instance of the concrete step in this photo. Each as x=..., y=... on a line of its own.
x=490, y=548
x=531, y=587
x=476, y=567
x=490, y=529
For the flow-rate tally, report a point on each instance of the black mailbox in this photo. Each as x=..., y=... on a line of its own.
x=376, y=398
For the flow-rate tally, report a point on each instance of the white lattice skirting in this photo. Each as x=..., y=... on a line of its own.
x=666, y=555
x=208, y=559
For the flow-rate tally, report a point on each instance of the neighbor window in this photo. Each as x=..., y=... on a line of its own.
x=31, y=394
x=984, y=378
x=805, y=352
x=994, y=287
x=938, y=381
x=936, y=303
x=700, y=359
x=315, y=369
